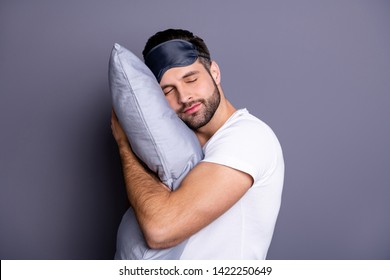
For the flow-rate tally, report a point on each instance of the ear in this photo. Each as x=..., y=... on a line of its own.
x=215, y=72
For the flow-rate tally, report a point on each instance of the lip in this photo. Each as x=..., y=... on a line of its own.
x=192, y=109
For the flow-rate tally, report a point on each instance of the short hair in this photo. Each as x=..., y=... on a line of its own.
x=171, y=34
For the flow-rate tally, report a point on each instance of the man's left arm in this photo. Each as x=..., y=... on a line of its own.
x=167, y=218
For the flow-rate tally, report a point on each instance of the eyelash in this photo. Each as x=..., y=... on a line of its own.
x=194, y=80
x=166, y=93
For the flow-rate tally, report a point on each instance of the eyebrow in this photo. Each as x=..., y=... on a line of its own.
x=190, y=74
x=186, y=75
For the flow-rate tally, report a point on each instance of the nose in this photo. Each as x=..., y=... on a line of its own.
x=184, y=95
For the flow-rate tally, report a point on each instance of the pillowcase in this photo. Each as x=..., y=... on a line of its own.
x=156, y=135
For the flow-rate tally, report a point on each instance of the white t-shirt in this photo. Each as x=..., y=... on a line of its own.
x=245, y=231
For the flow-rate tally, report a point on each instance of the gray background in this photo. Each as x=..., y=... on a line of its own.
x=318, y=72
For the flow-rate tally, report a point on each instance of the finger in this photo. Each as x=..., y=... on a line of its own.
x=113, y=115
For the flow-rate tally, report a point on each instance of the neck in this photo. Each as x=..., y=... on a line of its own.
x=224, y=111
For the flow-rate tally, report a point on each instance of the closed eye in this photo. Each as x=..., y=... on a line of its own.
x=192, y=80
x=168, y=90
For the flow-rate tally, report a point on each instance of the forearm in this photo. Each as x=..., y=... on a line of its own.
x=141, y=185
x=167, y=218
x=148, y=197
x=158, y=210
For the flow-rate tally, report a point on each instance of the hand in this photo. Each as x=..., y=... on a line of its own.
x=117, y=130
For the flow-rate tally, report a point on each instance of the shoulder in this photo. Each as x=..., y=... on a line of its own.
x=244, y=142
x=243, y=128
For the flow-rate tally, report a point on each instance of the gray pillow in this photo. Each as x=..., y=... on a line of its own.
x=156, y=135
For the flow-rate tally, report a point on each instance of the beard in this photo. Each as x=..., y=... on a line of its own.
x=205, y=114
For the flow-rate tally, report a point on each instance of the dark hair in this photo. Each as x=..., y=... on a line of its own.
x=170, y=34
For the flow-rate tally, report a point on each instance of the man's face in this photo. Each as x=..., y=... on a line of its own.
x=192, y=93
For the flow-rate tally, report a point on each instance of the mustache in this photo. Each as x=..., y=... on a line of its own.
x=187, y=105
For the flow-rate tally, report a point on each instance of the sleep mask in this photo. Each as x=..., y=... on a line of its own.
x=169, y=54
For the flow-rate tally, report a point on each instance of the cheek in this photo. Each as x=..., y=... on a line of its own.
x=206, y=88
x=172, y=102
x=206, y=91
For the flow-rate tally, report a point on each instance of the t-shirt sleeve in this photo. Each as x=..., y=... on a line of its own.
x=249, y=146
